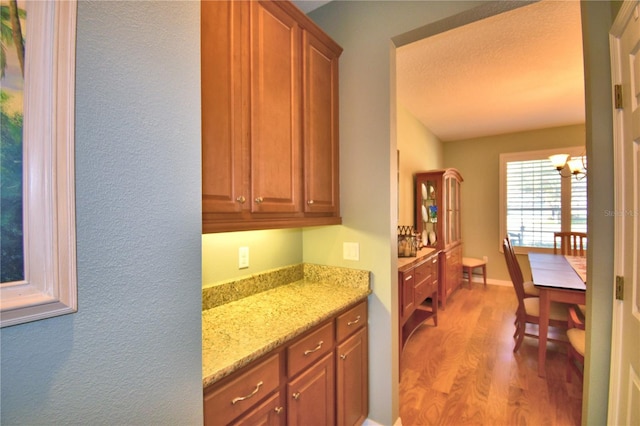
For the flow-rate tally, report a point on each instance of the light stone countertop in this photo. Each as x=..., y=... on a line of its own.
x=239, y=332
x=405, y=263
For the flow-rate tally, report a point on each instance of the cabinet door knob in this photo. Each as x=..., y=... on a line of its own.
x=310, y=202
x=259, y=200
x=343, y=356
x=278, y=410
x=296, y=395
x=241, y=199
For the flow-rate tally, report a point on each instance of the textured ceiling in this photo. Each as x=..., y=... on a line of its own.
x=519, y=70
x=516, y=71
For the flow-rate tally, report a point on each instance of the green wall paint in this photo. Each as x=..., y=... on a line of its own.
x=368, y=166
x=419, y=150
x=267, y=250
x=368, y=173
x=478, y=161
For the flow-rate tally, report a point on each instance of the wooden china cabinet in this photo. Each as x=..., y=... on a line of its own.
x=269, y=118
x=438, y=223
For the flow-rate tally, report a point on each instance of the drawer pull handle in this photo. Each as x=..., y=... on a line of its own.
x=357, y=320
x=343, y=356
x=310, y=202
x=408, y=277
x=278, y=410
x=242, y=398
x=259, y=200
x=310, y=351
x=296, y=395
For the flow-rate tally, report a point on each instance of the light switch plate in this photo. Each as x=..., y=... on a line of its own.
x=351, y=251
x=243, y=257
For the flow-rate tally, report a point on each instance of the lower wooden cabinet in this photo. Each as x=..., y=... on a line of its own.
x=450, y=272
x=352, y=379
x=320, y=378
x=311, y=396
x=237, y=396
x=269, y=413
x=417, y=282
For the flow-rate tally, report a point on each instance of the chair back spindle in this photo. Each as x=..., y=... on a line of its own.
x=570, y=243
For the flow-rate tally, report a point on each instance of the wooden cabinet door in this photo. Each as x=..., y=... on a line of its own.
x=311, y=396
x=352, y=383
x=320, y=88
x=224, y=67
x=276, y=158
x=270, y=413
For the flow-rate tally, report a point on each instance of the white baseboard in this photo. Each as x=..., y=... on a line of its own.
x=491, y=281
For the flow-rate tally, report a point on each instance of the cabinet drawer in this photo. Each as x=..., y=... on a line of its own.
x=430, y=288
x=422, y=272
x=420, y=293
x=312, y=347
x=352, y=320
x=269, y=413
x=227, y=402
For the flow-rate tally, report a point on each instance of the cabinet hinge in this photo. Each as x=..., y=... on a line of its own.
x=617, y=91
x=619, y=287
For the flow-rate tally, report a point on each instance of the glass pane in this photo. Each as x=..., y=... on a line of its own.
x=11, y=110
x=428, y=214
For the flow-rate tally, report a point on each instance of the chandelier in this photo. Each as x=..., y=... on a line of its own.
x=576, y=166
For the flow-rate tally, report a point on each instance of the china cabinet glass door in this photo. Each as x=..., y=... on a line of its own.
x=427, y=214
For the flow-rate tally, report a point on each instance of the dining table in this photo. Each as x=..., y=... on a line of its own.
x=559, y=278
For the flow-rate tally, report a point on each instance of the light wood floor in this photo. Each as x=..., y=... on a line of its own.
x=464, y=371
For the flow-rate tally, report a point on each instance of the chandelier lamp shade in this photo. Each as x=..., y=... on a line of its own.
x=576, y=165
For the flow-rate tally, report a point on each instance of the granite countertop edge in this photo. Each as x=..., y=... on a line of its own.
x=239, y=332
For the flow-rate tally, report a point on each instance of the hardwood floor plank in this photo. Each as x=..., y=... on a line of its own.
x=464, y=371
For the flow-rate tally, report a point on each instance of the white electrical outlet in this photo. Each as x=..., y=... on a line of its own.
x=351, y=251
x=243, y=257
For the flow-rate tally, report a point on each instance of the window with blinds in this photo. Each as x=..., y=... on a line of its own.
x=537, y=201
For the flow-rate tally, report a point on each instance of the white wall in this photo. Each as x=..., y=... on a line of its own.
x=132, y=353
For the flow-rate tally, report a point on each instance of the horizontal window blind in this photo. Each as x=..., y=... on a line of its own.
x=534, y=203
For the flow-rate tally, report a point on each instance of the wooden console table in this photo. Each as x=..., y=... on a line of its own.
x=417, y=282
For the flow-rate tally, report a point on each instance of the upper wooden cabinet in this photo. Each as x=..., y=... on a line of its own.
x=269, y=118
x=321, y=168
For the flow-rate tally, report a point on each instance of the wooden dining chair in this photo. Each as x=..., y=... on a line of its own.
x=528, y=311
x=571, y=243
x=530, y=290
x=576, y=336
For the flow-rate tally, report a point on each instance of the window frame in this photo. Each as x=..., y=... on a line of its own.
x=49, y=287
x=574, y=151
